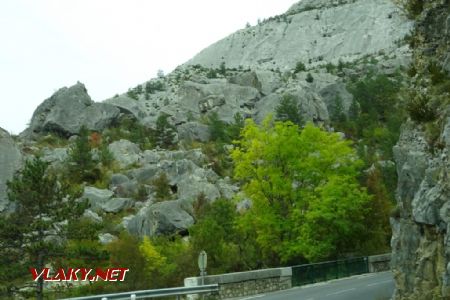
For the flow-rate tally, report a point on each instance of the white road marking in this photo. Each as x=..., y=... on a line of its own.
x=379, y=282
x=340, y=292
x=253, y=297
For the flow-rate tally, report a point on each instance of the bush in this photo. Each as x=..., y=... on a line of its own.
x=165, y=132
x=288, y=110
x=309, y=78
x=420, y=110
x=414, y=8
x=81, y=165
x=161, y=187
x=300, y=67
x=154, y=86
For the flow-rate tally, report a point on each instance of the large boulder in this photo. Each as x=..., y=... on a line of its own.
x=67, y=110
x=160, y=218
x=190, y=187
x=226, y=99
x=10, y=162
x=117, y=204
x=125, y=152
x=96, y=197
x=193, y=131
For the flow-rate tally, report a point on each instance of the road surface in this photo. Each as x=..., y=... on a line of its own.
x=374, y=286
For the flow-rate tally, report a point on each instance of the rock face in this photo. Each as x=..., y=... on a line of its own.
x=160, y=218
x=311, y=30
x=10, y=162
x=421, y=226
x=67, y=110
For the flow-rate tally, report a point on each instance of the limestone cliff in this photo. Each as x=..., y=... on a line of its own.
x=313, y=32
x=421, y=226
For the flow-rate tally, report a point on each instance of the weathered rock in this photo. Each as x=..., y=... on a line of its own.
x=312, y=30
x=125, y=152
x=309, y=102
x=10, y=162
x=190, y=187
x=420, y=231
x=193, y=131
x=334, y=93
x=160, y=218
x=92, y=216
x=115, y=205
x=97, y=197
x=55, y=155
x=226, y=189
x=106, y=238
x=224, y=98
x=69, y=109
x=128, y=106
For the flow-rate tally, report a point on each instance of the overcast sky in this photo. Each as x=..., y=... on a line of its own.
x=109, y=45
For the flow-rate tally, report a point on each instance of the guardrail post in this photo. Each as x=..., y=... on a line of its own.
x=104, y=298
x=133, y=296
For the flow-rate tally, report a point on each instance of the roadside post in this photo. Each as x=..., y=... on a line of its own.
x=202, y=262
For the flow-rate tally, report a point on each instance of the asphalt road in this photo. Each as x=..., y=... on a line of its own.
x=375, y=286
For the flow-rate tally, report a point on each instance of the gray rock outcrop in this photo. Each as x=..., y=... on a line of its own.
x=10, y=162
x=97, y=197
x=313, y=31
x=421, y=225
x=125, y=152
x=69, y=109
x=160, y=218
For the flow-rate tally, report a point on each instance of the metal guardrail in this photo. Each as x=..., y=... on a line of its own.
x=178, y=291
x=324, y=271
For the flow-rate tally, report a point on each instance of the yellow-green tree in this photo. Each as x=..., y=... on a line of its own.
x=307, y=202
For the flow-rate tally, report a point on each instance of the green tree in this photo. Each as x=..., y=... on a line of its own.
x=309, y=78
x=81, y=165
x=288, y=110
x=217, y=128
x=215, y=233
x=42, y=204
x=161, y=187
x=234, y=129
x=165, y=132
x=292, y=178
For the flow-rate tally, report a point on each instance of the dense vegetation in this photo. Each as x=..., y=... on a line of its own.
x=316, y=195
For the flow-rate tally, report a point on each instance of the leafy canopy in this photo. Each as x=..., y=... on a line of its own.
x=307, y=203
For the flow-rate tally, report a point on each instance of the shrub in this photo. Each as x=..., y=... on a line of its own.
x=436, y=74
x=161, y=187
x=414, y=8
x=309, y=78
x=153, y=86
x=81, y=165
x=288, y=110
x=217, y=128
x=300, y=67
x=165, y=132
x=420, y=110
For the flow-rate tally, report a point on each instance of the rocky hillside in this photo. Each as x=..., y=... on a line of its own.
x=421, y=242
x=155, y=150
x=313, y=32
x=310, y=54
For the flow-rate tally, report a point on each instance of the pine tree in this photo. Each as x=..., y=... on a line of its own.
x=36, y=228
x=80, y=162
x=288, y=110
x=165, y=132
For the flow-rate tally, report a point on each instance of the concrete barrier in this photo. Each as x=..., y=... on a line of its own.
x=379, y=263
x=249, y=283
x=241, y=284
